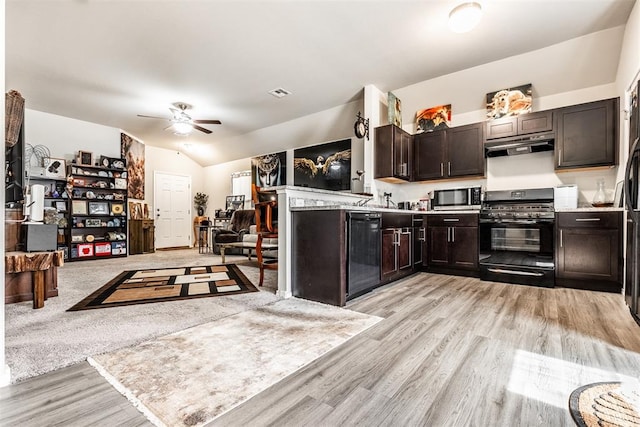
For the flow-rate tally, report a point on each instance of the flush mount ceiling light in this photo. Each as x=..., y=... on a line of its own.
x=465, y=17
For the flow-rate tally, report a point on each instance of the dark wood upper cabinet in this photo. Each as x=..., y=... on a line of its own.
x=449, y=153
x=541, y=121
x=465, y=150
x=587, y=135
x=393, y=154
x=429, y=155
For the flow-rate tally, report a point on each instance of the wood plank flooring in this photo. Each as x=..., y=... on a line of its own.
x=451, y=351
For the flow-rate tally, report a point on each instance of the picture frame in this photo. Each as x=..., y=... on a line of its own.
x=85, y=250
x=79, y=207
x=85, y=158
x=618, y=200
x=120, y=183
x=54, y=168
x=92, y=222
x=102, y=248
x=98, y=208
x=117, y=208
x=60, y=206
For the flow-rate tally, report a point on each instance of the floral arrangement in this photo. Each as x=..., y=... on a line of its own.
x=200, y=200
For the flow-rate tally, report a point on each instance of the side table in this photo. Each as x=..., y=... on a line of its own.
x=36, y=263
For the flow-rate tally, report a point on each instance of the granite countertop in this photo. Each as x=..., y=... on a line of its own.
x=378, y=209
x=591, y=209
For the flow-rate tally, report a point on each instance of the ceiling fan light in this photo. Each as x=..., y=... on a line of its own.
x=182, y=128
x=464, y=17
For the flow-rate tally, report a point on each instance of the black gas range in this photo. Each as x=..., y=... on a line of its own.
x=517, y=237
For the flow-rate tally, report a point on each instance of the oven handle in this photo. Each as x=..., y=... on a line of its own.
x=517, y=221
x=517, y=273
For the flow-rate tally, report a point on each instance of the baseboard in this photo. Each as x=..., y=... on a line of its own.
x=5, y=376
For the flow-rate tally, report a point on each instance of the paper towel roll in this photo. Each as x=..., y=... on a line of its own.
x=37, y=197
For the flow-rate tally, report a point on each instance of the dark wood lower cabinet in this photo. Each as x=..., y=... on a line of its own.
x=396, y=252
x=589, y=250
x=452, y=243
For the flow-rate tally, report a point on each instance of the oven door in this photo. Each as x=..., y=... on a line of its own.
x=517, y=251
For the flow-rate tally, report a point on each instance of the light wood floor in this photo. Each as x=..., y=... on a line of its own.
x=450, y=351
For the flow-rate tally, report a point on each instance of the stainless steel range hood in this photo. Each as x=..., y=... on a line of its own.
x=522, y=144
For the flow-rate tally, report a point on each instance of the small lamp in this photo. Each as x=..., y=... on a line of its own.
x=464, y=17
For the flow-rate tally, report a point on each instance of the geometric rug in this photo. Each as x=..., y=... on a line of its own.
x=190, y=377
x=606, y=404
x=167, y=284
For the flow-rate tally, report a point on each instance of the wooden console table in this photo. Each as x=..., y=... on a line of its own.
x=39, y=267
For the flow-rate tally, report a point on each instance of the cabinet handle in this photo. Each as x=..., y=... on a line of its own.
x=559, y=156
x=441, y=169
x=449, y=169
x=587, y=219
x=448, y=234
x=453, y=234
x=560, y=237
x=451, y=219
x=422, y=234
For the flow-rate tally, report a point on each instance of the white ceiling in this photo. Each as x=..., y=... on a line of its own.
x=107, y=61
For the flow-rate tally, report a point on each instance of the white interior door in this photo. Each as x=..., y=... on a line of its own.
x=172, y=199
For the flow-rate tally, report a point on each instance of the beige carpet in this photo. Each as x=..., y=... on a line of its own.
x=190, y=377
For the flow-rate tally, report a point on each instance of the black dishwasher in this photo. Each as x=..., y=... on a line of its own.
x=363, y=241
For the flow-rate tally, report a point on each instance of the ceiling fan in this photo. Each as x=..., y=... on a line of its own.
x=181, y=122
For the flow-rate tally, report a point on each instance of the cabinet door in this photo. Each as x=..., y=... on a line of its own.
x=541, y=121
x=401, y=154
x=587, y=253
x=389, y=261
x=464, y=247
x=405, y=260
x=465, y=151
x=429, y=152
x=501, y=128
x=383, y=153
x=587, y=135
x=438, y=246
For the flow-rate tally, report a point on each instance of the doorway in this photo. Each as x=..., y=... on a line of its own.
x=172, y=209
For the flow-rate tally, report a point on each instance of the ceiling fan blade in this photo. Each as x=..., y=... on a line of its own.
x=152, y=117
x=208, y=122
x=201, y=129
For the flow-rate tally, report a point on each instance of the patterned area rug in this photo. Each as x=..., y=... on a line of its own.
x=191, y=377
x=606, y=404
x=168, y=284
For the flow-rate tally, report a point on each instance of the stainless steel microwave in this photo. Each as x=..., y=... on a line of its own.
x=457, y=198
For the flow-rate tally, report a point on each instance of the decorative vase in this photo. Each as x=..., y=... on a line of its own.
x=200, y=210
x=599, y=199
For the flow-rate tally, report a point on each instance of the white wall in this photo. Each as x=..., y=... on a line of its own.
x=217, y=182
x=594, y=57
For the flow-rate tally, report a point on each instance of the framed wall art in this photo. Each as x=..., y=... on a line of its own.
x=132, y=151
x=509, y=102
x=269, y=170
x=326, y=166
x=433, y=118
x=394, y=110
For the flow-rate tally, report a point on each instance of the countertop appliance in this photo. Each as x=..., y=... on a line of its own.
x=565, y=197
x=457, y=198
x=517, y=237
x=632, y=203
x=363, y=264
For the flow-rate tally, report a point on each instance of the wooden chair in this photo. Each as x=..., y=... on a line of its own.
x=266, y=210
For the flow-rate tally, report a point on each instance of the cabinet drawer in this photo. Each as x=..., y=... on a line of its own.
x=453, y=220
x=590, y=219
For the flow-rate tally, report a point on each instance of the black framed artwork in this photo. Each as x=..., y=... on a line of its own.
x=269, y=170
x=326, y=166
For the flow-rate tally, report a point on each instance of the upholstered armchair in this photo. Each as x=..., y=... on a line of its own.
x=239, y=224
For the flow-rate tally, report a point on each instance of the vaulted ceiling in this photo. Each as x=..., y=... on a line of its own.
x=106, y=62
